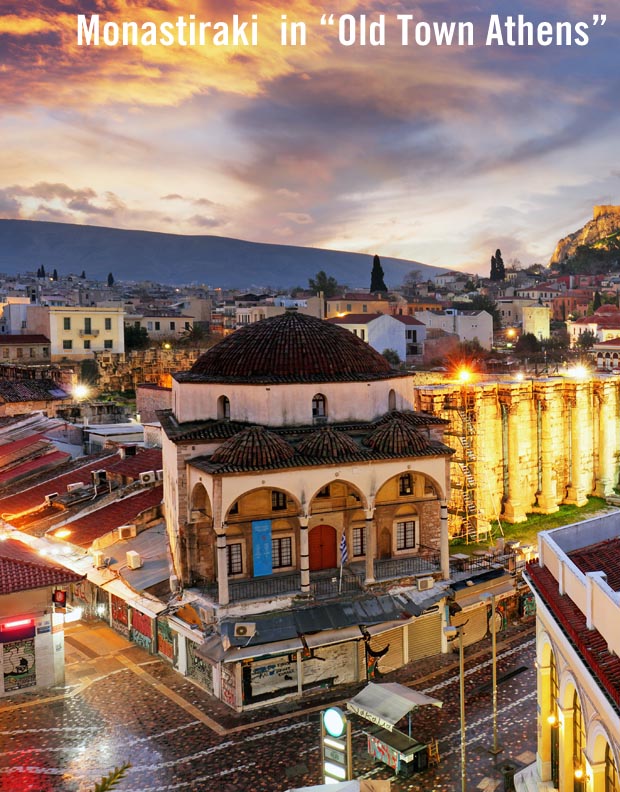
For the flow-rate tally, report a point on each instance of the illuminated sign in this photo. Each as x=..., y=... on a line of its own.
x=335, y=745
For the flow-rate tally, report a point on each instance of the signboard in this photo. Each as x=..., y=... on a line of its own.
x=336, y=756
x=261, y=547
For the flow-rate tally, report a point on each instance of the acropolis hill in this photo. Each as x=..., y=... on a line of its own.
x=605, y=221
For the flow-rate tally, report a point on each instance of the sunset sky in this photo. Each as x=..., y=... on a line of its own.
x=437, y=154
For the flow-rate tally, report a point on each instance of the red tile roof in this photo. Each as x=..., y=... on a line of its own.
x=408, y=320
x=144, y=460
x=355, y=318
x=600, y=557
x=590, y=644
x=8, y=340
x=22, y=568
x=41, y=463
x=85, y=530
x=612, y=342
x=35, y=496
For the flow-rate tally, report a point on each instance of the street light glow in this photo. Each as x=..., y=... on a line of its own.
x=80, y=391
x=464, y=375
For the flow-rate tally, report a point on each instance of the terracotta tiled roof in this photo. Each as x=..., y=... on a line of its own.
x=253, y=447
x=408, y=320
x=22, y=568
x=355, y=318
x=11, y=340
x=85, y=530
x=142, y=461
x=38, y=464
x=395, y=435
x=327, y=443
x=414, y=418
x=590, y=644
x=600, y=557
x=30, y=390
x=291, y=347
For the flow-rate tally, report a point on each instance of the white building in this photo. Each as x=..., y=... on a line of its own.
x=467, y=325
x=576, y=585
x=381, y=331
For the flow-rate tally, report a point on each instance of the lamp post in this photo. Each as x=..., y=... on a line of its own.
x=451, y=633
x=487, y=597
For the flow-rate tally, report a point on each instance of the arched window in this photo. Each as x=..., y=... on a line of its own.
x=223, y=408
x=392, y=399
x=579, y=737
x=611, y=771
x=553, y=720
x=405, y=484
x=319, y=406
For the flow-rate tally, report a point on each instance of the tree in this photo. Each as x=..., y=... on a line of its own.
x=41, y=272
x=527, y=345
x=586, y=340
x=391, y=355
x=377, y=282
x=83, y=275
x=135, y=338
x=323, y=283
x=110, y=279
x=55, y=275
x=498, y=270
x=596, y=302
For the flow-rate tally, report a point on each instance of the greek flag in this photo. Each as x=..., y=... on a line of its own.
x=344, y=553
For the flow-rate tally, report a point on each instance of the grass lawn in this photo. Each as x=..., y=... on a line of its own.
x=526, y=532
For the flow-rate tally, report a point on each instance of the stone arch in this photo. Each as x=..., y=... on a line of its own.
x=319, y=407
x=438, y=488
x=392, y=399
x=416, y=492
x=353, y=492
x=334, y=504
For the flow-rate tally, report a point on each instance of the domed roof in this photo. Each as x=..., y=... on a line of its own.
x=327, y=443
x=291, y=347
x=253, y=447
x=395, y=435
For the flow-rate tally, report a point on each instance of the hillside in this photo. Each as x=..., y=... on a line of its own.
x=596, y=241
x=172, y=258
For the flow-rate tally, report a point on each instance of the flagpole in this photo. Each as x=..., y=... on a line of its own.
x=344, y=556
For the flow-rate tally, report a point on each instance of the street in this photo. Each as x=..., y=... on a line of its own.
x=120, y=704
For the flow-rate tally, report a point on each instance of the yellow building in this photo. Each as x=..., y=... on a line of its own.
x=77, y=332
x=576, y=585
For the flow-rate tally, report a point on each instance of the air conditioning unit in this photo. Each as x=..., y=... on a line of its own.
x=174, y=583
x=159, y=474
x=245, y=629
x=425, y=583
x=50, y=497
x=126, y=531
x=134, y=561
x=98, y=559
x=148, y=477
x=75, y=486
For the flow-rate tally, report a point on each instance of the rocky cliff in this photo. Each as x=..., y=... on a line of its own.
x=605, y=222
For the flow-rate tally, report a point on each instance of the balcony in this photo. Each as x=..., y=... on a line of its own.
x=88, y=333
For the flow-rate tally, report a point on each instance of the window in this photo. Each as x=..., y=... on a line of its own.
x=278, y=500
x=66, y=323
x=392, y=400
x=611, y=771
x=579, y=734
x=19, y=352
x=281, y=552
x=46, y=351
x=363, y=334
x=405, y=485
x=88, y=325
x=349, y=307
x=149, y=325
x=234, y=559
x=223, y=408
x=108, y=323
x=319, y=406
x=31, y=352
x=405, y=535
x=173, y=325
x=359, y=541
x=87, y=343
x=67, y=344
x=234, y=509
x=5, y=352
x=24, y=324
x=107, y=344
x=188, y=326
x=364, y=309
x=323, y=493
x=157, y=325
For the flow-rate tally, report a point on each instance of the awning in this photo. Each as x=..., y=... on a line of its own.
x=147, y=606
x=498, y=587
x=232, y=655
x=385, y=704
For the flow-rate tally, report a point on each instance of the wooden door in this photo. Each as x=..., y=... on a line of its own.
x=323, y=547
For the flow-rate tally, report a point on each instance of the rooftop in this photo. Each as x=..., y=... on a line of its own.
x=22, y=569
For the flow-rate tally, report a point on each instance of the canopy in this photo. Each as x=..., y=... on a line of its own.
x=385, y=704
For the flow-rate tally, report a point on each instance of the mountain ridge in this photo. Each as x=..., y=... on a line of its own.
x=174, y=258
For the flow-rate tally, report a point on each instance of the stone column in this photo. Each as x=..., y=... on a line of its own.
x=222, y=568
x=544, y=727
x=370, y=536
x=304, y=555
x=444, y=542
x=580, y=422
x=567, y=770
x=548, y=496
x=514, y=511
x=606, y=435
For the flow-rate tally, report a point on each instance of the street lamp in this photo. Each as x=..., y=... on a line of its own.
x=488, y=597
x=451, y=633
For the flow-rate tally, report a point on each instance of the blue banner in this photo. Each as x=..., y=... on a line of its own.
x=261, y=547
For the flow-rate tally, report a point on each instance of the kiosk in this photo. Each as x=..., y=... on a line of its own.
x=384, y=705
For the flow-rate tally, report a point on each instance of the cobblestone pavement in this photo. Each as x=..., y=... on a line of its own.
x=121, y=704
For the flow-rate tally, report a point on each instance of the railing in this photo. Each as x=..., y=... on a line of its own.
x=85, y=332
x=389, y=568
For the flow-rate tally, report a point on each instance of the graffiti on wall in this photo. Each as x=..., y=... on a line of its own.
x=19, y=665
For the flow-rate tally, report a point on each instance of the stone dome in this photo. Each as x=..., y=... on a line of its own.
x=395, y=435
x=327, y=443
x=255, y=447
x=291, y=347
